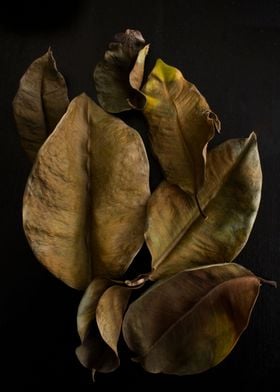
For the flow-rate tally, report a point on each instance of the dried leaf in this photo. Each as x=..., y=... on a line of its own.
x=95, y=354
x=109, y=314
x=179, y=238
x=181, y=124
x=191, y=321
x=87, y=308
x=40, y=102
x=85, y=201
x=121, y=71
x=98, y=350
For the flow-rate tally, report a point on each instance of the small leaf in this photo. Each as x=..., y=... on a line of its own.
x=109, y=314
x=84, y=206
x=87, y=308
x=191, y=321
x=121, y=71
x=179, y=238
x=40, y=102
x=181, y=124
x=98, y=350
x=95, y=354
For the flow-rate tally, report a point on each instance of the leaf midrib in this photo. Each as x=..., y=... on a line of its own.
x=188, y=226
x=192, y=309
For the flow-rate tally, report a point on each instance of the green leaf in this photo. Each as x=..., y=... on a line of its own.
x=181, y=124
x=40, y=102
x=191, y=321
x=119, y=76
x=179, y=238
x=84, y=206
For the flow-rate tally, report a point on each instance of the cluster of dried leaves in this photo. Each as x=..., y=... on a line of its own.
x=87, y=211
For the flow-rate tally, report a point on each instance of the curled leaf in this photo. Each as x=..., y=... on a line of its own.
x=98, y=350
x=87, y=308
x=179, y=238
x=40, y=102
x=121, y=72
x=85, y=201
x=181, y=124
x=191, y=321
x=109, y=314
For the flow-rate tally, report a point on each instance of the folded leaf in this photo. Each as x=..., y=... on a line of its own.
x=40, y=102
x=98, y=350
x=85, y=201
x=87, y=308
x=109, y=315
x=121, y=71
x=179, y=238
x=191, y=321
x=95, y=354
x=181, y=124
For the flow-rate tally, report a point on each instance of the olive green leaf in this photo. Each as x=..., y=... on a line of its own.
x=98, y=350
x=121, y=72
x=179, y=238
x=40, y=102
x=85, y=201
x=191, y=321
x=181, y=124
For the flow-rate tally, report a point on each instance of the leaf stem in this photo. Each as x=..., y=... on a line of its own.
x=139, y=281
x=269, y=282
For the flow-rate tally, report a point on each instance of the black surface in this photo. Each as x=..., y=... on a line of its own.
x=231, y=51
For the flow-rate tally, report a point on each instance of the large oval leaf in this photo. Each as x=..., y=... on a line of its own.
x=121, y=72
x=85, y=201
x=98, y=350
x=190, y=322
x=40, y=102
x=179, y=238
x=181, y=124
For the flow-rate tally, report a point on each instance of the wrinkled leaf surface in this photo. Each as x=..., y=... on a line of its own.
x=191, y=321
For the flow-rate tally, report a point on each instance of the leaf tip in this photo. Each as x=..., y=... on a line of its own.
x=165, y=72
x=215, y=121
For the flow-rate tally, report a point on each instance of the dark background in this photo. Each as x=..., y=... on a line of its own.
x=231, y=51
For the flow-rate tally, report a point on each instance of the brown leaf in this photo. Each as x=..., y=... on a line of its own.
x=121, y=72
x=87, y=308
x=109, y=314
x=98, y=350
x=85, y=201
x=181, y=124
x=40, y=102
x=179, y=238
x=191, y=321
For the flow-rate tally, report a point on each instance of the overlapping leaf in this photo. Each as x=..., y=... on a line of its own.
x=100, y=319
x=87, y=308
x=179, y=238
x=40, y=102
x=181, y=124
x=121, y=72
x=85, y=201
x=191, y=321
x=85, y=211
